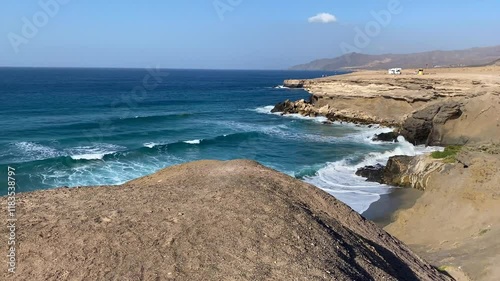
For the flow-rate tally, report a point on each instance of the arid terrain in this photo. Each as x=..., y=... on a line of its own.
x=455, y=223
x=376, y=97
x=205, y=220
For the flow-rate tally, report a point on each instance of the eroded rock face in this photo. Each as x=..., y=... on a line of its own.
x=293, y=83
x=403, y=171
x=424, y=126
x=396, y=171
x=301, y=107
x=282, y=106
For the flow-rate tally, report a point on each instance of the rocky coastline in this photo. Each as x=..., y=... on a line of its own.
x=452, y=107
x=238, y=220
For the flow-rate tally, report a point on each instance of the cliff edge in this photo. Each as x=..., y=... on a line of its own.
x=443, y=107
x=206, y=220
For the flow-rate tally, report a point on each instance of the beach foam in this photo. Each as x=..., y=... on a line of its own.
x=267, y=110
x=339, y=178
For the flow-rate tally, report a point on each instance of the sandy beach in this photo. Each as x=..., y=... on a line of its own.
x=384, y=211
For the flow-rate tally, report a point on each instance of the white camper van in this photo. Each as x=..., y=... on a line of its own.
x=395, y=71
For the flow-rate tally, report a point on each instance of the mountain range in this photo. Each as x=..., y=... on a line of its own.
x=353, y=61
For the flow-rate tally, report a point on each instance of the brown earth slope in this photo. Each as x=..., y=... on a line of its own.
x=206, y=220
x=456, y=222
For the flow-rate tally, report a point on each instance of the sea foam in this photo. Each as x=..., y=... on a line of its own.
x=339, y=178
x=193, y=141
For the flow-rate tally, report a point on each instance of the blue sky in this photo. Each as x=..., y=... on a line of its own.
x=240, y=34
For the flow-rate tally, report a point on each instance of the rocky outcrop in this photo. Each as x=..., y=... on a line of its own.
x=387, y=137
x=301, y=107
x=452, y=106
x=294, y=83
x=424, y=126
x=207, y=220
x=455, y=223
x=372, y=173
x=403, y=171
x=309, y=109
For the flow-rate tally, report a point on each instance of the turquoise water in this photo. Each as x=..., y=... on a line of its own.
x=77, y=127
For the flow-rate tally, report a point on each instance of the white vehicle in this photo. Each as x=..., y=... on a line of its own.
x=395, y=71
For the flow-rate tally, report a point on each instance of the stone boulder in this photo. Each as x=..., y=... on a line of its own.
x=387, y=137
x=403, y=171
x=282, y=106
x=372, y=173
x=396, y=171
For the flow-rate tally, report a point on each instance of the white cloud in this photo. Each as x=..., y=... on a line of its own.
x=323, y=18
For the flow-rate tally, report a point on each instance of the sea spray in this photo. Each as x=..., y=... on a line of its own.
x=339, y=179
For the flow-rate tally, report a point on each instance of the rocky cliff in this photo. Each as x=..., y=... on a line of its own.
x=455, y=222
x=442, y=108
x=404, y=171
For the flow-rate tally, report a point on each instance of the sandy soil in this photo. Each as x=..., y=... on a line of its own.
x=206, y=220
x=456, y=222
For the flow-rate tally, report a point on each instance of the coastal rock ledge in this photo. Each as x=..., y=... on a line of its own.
x=206, y=220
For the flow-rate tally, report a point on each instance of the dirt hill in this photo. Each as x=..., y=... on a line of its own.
x=206, y=220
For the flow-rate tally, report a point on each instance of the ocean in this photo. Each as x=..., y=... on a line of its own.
x=80, y=127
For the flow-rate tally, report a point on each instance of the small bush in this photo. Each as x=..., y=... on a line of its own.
x=484, y=231
x=449, y=153
x=442, y=268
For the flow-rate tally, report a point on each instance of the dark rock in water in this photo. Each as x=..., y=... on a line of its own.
x=301, y=107
x=396, y=169
x=423, y=126
x=372, y=173
x=281, y=107
x=331, y=116
x=389, y=137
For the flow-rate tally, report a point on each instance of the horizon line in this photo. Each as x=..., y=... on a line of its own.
x=166, y=68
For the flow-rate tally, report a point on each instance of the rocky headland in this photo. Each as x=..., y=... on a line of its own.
x=206, y=220
x=455, y=106
x=457, y=219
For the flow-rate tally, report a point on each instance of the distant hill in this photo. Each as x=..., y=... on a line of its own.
x=469, y=57
x=497, y=62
